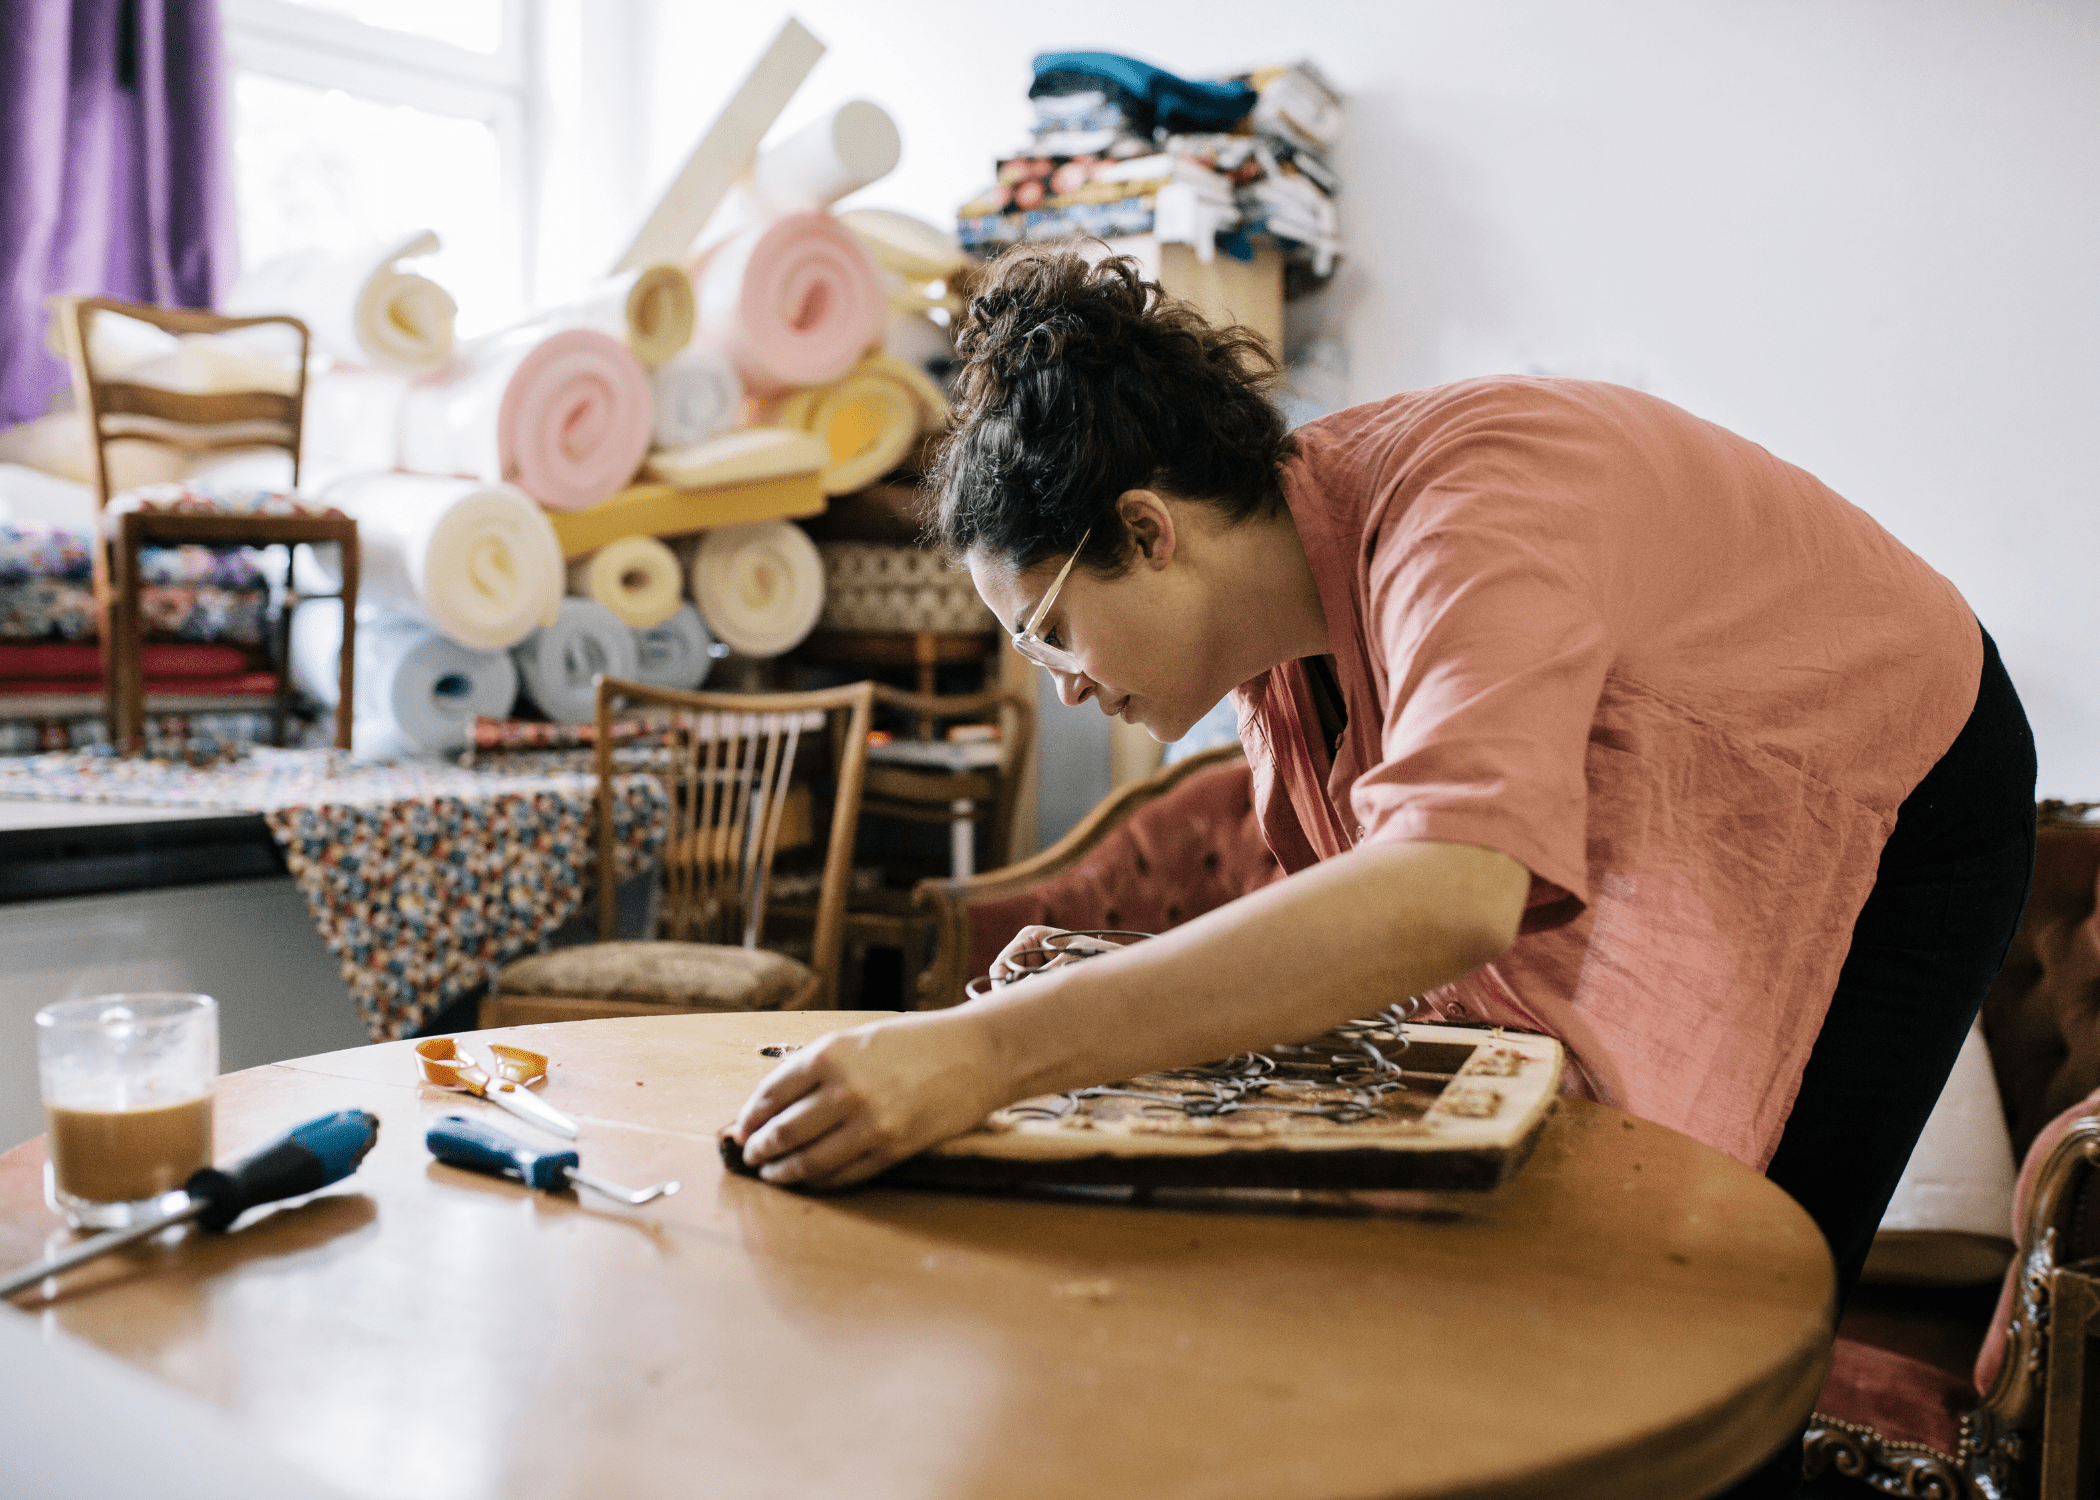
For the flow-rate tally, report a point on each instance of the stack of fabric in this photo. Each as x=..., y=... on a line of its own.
x=1121, y=147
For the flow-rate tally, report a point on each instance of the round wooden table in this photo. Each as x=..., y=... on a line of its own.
x=1636, y=1314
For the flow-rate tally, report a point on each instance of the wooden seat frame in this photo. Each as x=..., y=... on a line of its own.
x=125, y=411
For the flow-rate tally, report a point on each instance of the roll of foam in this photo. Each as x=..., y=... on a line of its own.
x=867, y=421
x=698, y=394
x=821, y=163
x=360, y=305
x=637, y=578
x=676, y=653
x=416, y=692
x=558, y=661
x=564, y=416
x=478, y=561
x=791, y=303
x=649, y=309
x=760, y=587
x=909, y=246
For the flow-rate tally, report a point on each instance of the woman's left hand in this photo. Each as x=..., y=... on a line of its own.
x=840, y=1110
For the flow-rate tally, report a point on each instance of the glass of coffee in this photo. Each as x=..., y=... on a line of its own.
x=127, y=1083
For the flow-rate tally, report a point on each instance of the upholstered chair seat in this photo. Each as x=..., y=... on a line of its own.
x=648, y=976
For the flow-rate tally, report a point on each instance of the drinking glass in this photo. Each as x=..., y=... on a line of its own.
x=127, y=1083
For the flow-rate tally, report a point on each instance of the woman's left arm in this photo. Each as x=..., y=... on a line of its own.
x=1352, y=934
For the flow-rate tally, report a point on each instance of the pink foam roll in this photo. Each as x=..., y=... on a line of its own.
x=791, y=303
x=564, y=416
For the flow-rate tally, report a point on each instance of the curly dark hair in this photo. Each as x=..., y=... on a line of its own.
x=1080, y=382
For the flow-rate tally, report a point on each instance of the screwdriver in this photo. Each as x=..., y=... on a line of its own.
x=303, y=1160
x=461, y=1142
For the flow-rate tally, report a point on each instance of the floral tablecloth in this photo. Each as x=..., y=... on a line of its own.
x=424, y=879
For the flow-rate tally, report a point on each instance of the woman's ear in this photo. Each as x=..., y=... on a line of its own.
x=1146, y=515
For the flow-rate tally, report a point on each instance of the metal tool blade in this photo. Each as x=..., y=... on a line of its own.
x=532, y=1109
x=101, y=1244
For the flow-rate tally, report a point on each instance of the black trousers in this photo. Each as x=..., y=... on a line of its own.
x=1931, y=937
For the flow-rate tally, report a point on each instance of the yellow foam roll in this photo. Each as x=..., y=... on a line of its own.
x=637, y=578
x=666, y=510
x=867, y=420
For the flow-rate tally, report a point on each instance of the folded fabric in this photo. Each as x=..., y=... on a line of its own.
x=1149, y=96
x=649, y=309
x=698, y=394
x=57, y=660
x=675, y=654
x=868, y=420
x=791, y=303
x=478, y=561
x=637, y=577
x=56, y=609
x=565, y=416
x=240, y=685
x=359, y=304
x=558, y=663
x=415, y=692
x=31, y=549
x=760, y=588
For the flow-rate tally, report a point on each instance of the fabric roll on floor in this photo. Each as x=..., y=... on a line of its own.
x=852, y=146
x=478, y=561
x=415, y=692
x=759, y=587
x=360, y=305
x=791, y=303
x=867, y=421
x=649, y=309
x=698, y=394
x=565, y=416
x=637, y=577
x=675, y=654
x=558, y=661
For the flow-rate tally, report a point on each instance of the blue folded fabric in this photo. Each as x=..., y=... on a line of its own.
x=1150, y=96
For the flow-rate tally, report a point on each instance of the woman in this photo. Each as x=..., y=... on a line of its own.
x=1565, y=709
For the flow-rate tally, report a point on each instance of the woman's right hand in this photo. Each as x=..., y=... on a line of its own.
x=1006, y=968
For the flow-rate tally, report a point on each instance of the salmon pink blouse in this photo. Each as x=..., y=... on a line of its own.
x=1682, y=682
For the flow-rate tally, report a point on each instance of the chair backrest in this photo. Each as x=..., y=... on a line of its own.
x=912, y=791
x=116, y=409
x=726, y=760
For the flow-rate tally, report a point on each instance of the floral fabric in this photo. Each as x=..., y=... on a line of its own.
x=32, y=549
x=56, y=610
x=424, y=880
x=185, y=499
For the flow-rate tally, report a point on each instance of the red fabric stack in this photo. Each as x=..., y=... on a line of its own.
x=66, y=667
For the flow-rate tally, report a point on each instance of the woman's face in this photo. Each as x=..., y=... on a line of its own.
x=1139, y=637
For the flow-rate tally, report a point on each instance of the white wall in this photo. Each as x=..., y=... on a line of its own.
x=1865, y=233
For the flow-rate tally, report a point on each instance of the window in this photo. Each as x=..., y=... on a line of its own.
x=356, y=120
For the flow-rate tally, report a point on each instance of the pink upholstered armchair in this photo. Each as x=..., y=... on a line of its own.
x=1916, y=1402
x=1153, y=855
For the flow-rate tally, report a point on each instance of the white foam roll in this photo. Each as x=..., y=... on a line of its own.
x=359, y=304
x=416, y=692
x=636, y=577
x=558, y=661
x=676, y=653
x=697, y=395
x=760, y=587
x=352, y=424
x=821, y=163
x=647, y=308
x=478, y=561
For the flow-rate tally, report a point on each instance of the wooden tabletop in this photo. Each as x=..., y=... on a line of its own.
x=1636, y=1314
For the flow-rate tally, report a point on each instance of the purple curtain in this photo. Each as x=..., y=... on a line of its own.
x=116, y=168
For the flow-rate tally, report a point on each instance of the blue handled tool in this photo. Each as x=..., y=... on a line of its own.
x=461, y=1142
x=303, y=1160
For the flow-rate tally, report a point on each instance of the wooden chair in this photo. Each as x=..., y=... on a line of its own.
x=120, y=410
x=726, y=760
x=927, y=789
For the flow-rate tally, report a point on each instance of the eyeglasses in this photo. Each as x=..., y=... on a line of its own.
x=1033, y=646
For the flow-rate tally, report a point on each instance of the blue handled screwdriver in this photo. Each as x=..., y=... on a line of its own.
x=461, y=1142
x=303, y=1160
